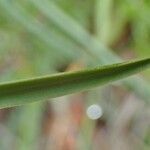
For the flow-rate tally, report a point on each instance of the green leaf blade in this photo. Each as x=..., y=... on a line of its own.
x=42, y=88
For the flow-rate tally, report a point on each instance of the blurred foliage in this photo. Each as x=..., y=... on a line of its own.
x=33, y=44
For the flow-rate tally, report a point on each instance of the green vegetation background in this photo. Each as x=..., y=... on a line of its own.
x=43, y=37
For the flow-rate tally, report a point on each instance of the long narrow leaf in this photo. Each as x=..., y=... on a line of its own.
x=92, y=46
x=49, y=37
x=42, y=88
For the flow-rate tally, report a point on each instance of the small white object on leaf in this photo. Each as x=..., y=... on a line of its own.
x=94, y=111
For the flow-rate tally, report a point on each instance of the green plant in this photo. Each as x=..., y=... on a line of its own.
x=31, y=90
x=44, y=37
x=92, y=49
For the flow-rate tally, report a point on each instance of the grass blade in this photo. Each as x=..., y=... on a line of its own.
x=65, y=47
x=76, y=32
x=104, y=20
x=42, y=88
x=93, y=47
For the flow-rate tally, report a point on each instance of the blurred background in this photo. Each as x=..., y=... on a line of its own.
x=40, y=37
